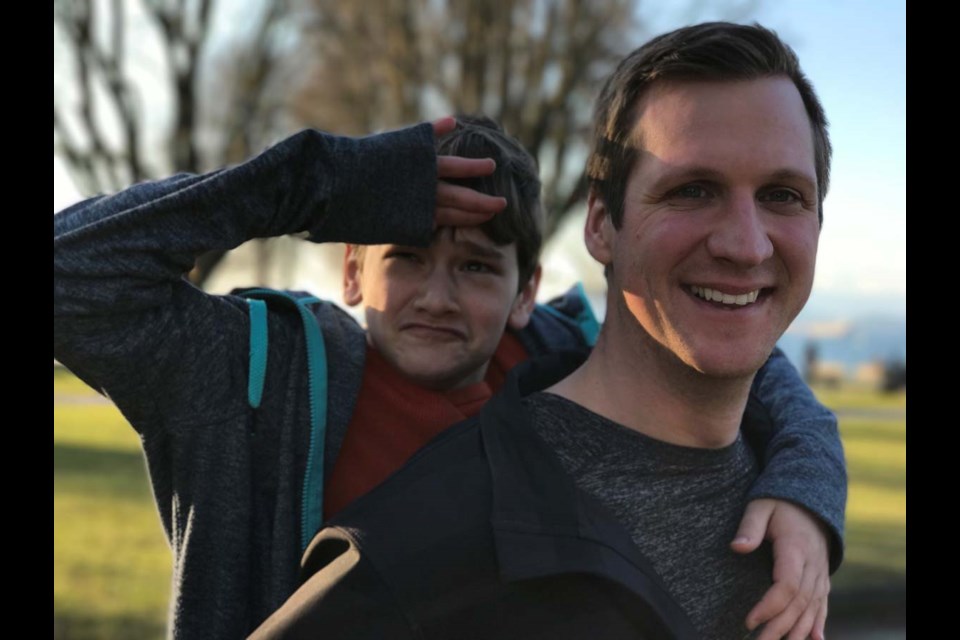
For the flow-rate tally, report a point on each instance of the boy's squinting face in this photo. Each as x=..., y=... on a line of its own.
x=437, y=314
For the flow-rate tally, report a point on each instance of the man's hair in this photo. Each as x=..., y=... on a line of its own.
x=516, y=178
x=713, y=51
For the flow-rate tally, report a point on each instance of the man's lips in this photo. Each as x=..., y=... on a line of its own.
x=729, y=295
x=433, y=331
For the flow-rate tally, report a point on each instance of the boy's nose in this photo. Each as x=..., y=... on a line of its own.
x=438, y=294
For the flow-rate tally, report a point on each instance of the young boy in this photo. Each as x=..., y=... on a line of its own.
x=254, y=408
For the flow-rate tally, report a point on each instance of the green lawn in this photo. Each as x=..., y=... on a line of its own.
x=874, y=431
x=111, y=563
x=111, y=571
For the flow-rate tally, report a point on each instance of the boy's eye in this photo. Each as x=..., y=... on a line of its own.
x=407, y=256
x=477, y=267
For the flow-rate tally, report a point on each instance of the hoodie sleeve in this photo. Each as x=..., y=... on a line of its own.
x=799, y=445
x=128, y=322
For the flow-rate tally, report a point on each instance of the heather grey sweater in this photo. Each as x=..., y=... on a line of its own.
x=228, y=479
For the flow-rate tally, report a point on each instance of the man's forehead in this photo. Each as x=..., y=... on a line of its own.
x=696, y=97
x=683, y=119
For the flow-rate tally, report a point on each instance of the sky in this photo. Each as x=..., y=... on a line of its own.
x=854, y=52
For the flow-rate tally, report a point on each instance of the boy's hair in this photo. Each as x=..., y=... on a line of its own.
x=516, y=178
x=713, y=51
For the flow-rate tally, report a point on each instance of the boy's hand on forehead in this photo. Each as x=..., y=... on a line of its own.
x=461, y=206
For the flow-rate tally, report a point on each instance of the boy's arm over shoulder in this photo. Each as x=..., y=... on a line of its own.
x=799, y=446
x=127, y=321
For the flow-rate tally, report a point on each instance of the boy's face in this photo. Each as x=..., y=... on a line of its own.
x=437, y=314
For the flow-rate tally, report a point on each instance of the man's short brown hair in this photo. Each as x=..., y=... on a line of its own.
x=713, y=51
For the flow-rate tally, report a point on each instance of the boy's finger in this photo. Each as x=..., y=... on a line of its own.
x=463, y=199
x=788, y=575
x=821, y=621
x=457, y=167
x=753, y=525
x=794, y=615
x=443, y=126
x=450, y=217
x=804, y=626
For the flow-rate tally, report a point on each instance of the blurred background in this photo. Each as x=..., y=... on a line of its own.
x=147, y=88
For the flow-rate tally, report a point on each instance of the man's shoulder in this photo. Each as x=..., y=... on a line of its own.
x=441, y=484
x=432, y=514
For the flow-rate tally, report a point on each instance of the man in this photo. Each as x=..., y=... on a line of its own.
x=604, y=506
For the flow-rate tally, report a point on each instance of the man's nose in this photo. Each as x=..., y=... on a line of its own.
x=739, y=234
x=438, y=293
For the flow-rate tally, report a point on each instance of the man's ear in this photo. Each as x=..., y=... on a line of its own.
x=352, y=273
x=598, y=232
x=526, y=301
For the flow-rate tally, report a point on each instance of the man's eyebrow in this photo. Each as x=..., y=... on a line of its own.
x=798, y=176
x=693, y=172
x=697, y=172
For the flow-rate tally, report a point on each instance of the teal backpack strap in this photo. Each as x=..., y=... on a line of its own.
x=258, y=351
x=585, y=319
x=312, y=496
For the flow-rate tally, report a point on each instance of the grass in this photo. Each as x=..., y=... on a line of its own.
x=876, y=452
x=853, y=397
x=111, y=563
x=111, y=574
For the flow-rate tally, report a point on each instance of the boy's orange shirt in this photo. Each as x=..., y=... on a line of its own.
x=395, y=417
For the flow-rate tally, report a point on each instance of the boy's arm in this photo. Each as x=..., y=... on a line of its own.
x=799, y=446
x=127, y=321
x=803, y=464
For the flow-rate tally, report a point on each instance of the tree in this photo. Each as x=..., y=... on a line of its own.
x=349, y=66
x=534, y=65
x=222, y=94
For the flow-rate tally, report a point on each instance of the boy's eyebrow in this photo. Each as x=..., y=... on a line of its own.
x=480, y=250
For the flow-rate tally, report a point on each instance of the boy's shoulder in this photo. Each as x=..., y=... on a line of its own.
x=566, y=322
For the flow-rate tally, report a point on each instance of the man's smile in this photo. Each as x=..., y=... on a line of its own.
x=738, y=298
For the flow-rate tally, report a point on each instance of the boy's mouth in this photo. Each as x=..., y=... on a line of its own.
x=432, y=331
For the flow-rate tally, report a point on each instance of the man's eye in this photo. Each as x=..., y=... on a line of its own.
x=781, y=195
x=691, y=191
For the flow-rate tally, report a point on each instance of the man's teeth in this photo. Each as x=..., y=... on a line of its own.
x=726, y=298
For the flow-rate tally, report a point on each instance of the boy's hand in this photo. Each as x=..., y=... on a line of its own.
x=461, y=206
x=796, y=604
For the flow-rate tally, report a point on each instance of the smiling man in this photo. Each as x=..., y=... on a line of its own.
x=597, y=496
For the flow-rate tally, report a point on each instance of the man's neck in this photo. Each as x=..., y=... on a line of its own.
x=656, y=395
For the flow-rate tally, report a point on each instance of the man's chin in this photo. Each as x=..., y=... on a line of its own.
x=727, y=366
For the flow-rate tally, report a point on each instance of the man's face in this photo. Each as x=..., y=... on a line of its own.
x=437, y=314
x=716, y=253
